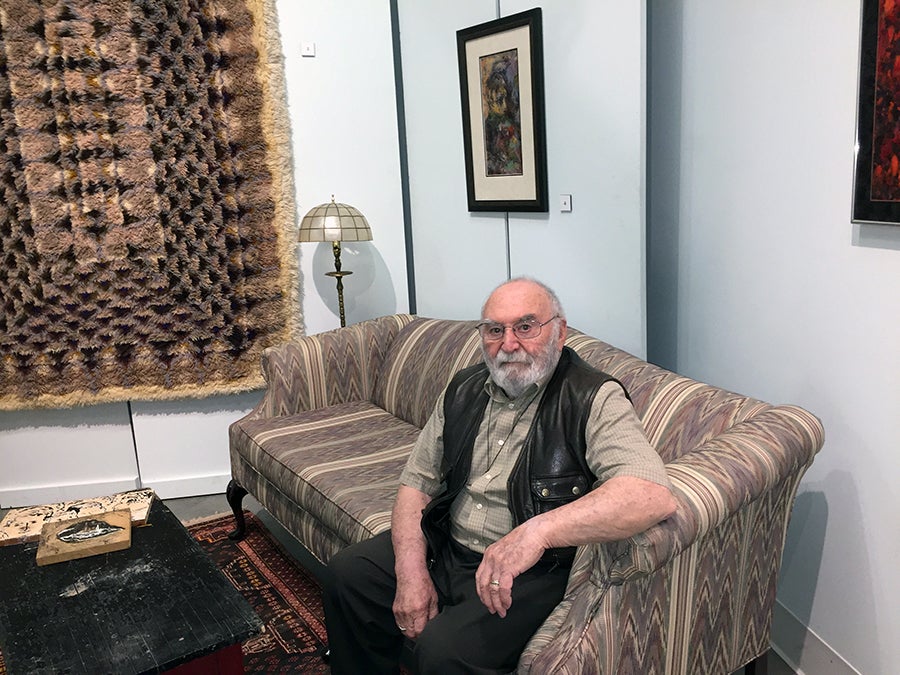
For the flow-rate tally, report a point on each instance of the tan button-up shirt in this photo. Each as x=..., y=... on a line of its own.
x=480, y=515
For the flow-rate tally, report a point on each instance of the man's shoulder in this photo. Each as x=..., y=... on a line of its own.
x=580, y=372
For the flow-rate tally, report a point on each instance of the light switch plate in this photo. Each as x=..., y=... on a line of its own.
x=565, y=203
x=307, y=48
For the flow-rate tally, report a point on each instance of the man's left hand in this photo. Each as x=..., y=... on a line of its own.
x=503, y=561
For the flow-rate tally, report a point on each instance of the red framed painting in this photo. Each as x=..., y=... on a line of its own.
x=876, y=180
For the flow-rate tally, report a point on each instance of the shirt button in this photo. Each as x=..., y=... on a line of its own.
x=479, y=506
x=511, y=406
x=545, y=492
x=487, y=476
x=500, y=442
x=475, y=542
x=576, y=490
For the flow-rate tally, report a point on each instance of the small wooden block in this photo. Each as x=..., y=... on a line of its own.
x=24, y=524
x=84, y=536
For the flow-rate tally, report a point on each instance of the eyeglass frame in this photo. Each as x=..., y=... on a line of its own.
x=530, y=319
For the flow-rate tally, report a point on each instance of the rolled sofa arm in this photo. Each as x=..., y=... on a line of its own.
x=756, y=459
x=327, y=368
x=714, y=481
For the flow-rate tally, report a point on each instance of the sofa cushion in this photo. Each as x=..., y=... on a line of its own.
x=678, y=413
x=423, y=357
x=341, y=463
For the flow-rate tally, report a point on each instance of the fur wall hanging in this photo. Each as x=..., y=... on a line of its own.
x=147, y=218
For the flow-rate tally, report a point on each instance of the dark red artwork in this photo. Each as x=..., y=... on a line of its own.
x=886, y=114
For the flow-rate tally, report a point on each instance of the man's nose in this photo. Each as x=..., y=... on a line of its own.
x=510, y=342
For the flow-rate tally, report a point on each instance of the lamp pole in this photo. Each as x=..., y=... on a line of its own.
x=337, y=274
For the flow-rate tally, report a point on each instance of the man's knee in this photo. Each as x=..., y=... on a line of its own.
x=446, y=647
x=362, y=566
x=435, y=648
x=342, y=564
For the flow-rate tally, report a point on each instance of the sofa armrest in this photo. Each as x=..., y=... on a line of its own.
x=713, y=482
x=734, y=494
x=327, y=368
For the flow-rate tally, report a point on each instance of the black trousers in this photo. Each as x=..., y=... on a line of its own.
x=463, y=638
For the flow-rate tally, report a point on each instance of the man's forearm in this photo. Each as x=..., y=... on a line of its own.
x=618, y=509
x=406, y=531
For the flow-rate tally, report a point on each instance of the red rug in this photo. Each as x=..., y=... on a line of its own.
x=285, y=596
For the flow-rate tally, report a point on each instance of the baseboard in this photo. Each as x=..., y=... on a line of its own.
x=191, y=486
x=51, y=494
x=173, y=488
x=804, y=651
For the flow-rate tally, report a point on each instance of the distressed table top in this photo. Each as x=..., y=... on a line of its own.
x=153, y=606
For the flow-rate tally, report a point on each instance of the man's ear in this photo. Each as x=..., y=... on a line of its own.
x=563, y=332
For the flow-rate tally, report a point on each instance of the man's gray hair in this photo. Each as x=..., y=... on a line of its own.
x=555, y=304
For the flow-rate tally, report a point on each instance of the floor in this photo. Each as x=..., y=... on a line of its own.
x=194, y=508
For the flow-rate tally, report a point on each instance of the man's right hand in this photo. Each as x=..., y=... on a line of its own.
x=415, y=603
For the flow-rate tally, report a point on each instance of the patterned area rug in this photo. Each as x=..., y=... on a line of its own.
x=285, y=596
x=147, y=217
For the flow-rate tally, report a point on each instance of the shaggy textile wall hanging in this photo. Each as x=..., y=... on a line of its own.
x=147, y=220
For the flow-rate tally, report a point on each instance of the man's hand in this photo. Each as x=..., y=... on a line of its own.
x=415, y=603
x=503, y=561
x=618, y=509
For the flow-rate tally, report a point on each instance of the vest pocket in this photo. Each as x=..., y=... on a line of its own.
x=551, y=492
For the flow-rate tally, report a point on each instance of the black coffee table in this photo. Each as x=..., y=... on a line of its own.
x=159, y=604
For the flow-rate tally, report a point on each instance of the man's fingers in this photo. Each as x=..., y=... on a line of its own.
x=495, y=590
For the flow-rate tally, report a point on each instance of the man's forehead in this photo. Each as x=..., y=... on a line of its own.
x=516, y=299
x=524, y=317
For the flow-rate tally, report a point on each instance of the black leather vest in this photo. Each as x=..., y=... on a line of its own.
x=551, y=469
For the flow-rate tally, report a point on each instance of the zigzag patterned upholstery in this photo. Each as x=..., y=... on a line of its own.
x=324, y=449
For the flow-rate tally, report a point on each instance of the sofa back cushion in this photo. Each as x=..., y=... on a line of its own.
x=419, y=364
x=679, y=414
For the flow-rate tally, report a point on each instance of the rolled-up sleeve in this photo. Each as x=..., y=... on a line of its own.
x=423, y=468
x=616, y=442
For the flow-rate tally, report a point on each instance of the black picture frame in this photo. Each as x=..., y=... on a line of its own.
x=876, y=175
x=501, y=80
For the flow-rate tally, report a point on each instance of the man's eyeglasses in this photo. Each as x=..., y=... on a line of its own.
x=524, y=329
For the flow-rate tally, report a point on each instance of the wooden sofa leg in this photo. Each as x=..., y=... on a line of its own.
x=759, y=665
x=235, y=494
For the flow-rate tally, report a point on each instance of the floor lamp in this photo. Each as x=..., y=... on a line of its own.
x=335, y=222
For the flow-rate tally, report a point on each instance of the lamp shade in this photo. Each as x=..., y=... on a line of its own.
x=334, y=222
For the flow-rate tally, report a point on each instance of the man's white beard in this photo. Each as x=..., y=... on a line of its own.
x=514, y=380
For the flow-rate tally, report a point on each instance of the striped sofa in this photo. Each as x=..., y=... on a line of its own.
x=324, y=448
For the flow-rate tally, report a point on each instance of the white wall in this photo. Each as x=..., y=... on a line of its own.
x=761, y=284
x=344, y=121
x=594, y=256
x=344, y=125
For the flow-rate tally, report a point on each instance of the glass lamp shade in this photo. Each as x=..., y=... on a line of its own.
x=334, y=222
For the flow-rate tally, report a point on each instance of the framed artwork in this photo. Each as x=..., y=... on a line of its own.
x=501, y=80
x=876, y=176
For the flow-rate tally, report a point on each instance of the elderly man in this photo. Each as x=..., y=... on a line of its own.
x=525, y=457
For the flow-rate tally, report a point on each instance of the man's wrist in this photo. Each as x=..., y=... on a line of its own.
x=538, y=531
